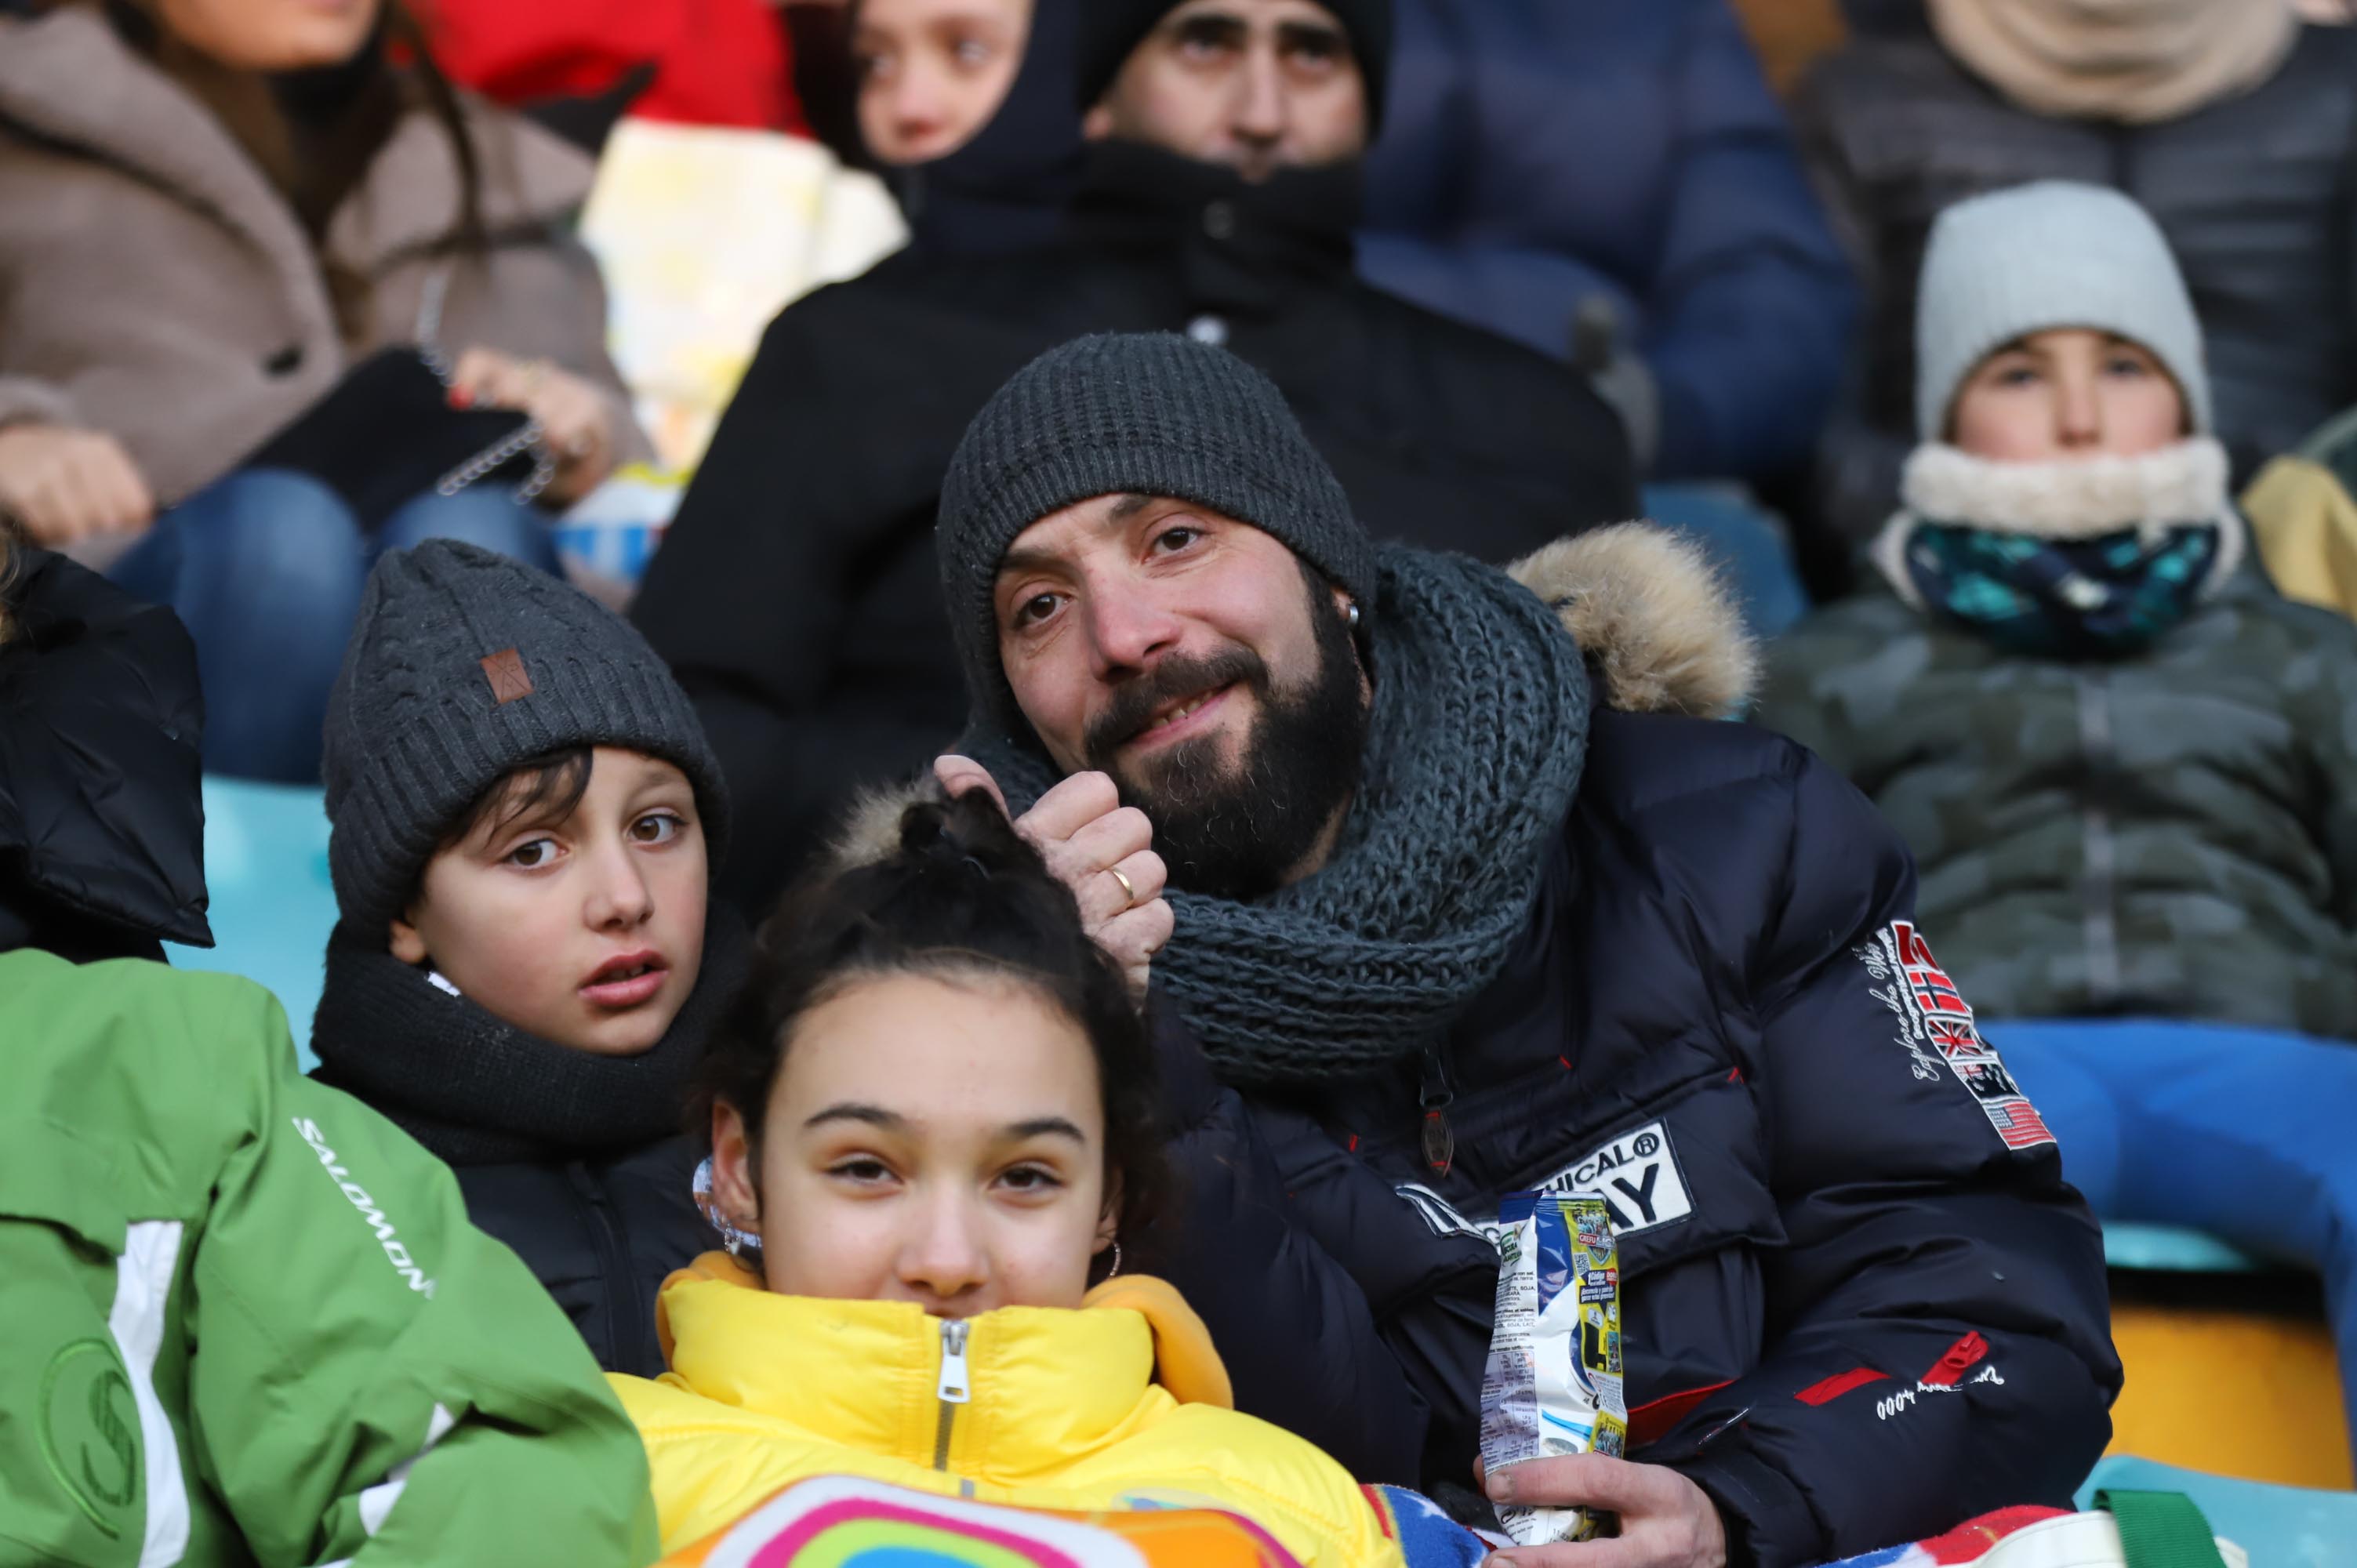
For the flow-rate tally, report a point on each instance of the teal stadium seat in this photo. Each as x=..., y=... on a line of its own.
x=273, y=907
x=2280, y=1527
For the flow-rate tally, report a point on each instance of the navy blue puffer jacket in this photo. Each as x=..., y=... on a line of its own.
x=1861, y=1303
x=1537, y=154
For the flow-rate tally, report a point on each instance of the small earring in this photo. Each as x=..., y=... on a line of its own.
x=1351, y=612
x=1116, y=1259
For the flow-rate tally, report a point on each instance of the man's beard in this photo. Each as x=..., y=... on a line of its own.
x=1235, y=830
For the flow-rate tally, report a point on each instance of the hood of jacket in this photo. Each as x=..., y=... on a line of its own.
x=101, y=821
x=1065, y=1409
x=1007, y=189
x=68, y=79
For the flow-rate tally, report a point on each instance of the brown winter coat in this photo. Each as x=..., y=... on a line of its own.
x=153, y=285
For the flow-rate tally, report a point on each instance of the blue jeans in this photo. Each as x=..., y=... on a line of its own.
x=2243, y=1134
x=265, y=569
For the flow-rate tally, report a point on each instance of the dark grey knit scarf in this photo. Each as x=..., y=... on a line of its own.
x=1473, y=755
x=478, y=1091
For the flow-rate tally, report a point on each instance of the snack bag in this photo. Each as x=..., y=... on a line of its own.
x=1553, y=1384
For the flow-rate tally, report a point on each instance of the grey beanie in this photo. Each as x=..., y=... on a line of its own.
x=2055, y=253
x=464, y=664
x=1131, y=413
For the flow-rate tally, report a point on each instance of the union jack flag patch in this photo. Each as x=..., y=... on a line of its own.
x=1936, y=1027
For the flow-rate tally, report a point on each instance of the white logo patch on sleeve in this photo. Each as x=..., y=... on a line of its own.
x=1936, y=1028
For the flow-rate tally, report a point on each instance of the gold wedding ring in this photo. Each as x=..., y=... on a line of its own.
x=1128, y=891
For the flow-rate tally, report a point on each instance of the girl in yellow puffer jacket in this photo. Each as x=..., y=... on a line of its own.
x=935, y=1112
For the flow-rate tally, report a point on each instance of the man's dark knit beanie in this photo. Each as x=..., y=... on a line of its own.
x=465, y=664
x=1148, y=414
x=1112, y=30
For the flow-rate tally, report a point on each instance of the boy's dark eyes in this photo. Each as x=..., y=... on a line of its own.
x=1031, y=1178
x=658, y=827
x=532, y=854
x=1176, y=538
x=863, y=1168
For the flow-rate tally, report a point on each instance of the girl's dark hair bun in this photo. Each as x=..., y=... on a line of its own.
x=955, y=890
x=968, y=835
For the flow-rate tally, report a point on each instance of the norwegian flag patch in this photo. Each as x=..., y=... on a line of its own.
x=1936, y=1028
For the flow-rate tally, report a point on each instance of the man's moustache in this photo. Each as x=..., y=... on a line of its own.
x=1173, y=680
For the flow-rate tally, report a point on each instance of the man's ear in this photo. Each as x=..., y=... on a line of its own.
x=732, y=1169
x=406, y=944
x=1096, y=125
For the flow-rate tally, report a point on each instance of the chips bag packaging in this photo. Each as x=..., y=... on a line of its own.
x=1552, y=1384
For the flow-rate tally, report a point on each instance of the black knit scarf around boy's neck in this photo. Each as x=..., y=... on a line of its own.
x=476, y=1090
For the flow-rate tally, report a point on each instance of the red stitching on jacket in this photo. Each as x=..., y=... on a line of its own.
x=1840, y=1384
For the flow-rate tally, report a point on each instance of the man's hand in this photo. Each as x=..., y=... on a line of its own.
x=1667, y=1522
x=576, y=417
x=65, y=484
x=1087, y=836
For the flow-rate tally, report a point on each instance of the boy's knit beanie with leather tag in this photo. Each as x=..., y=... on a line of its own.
x=1148, y=414
x=2041, y=256
x=463, y=665
x=1111, y=31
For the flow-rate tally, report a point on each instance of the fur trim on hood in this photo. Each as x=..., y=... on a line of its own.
x=2078, y=497
x=1647, y=607
x=1660, y=628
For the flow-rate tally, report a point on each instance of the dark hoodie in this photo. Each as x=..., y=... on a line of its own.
x=101, y=821
x=1005, y=189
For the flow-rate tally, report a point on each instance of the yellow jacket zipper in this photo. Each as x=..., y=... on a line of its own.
x=954, y=1389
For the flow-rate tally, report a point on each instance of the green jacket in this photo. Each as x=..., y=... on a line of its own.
x=244, y=1319
x=2171, y=834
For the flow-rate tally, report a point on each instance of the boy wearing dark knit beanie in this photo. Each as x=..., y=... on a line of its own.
x=526, y=968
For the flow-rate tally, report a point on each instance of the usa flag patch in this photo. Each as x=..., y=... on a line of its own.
x=1936, y=1027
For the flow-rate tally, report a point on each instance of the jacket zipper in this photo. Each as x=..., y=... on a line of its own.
x=1439, y=1138
x=2098, y=878
x=954, y=1389
x=615, y=1262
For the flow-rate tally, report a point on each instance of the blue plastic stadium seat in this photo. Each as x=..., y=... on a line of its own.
x=267, y=866
x=2280, y=1527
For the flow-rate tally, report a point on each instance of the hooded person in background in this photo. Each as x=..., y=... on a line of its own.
x=1465, y=904
x=247, y=1320
x=2231, y=123
x=795, y=596
x=962, y=103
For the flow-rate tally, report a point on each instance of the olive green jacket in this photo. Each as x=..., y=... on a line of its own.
x=2171, y=834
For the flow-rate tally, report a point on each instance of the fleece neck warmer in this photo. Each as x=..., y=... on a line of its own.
x=2087, y=559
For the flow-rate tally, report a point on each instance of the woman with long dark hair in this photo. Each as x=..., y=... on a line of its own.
x=211, y=212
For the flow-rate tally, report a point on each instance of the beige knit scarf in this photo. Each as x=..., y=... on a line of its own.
x=2133, y=62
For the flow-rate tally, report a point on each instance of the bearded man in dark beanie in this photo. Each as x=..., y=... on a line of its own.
x=793, y=595
x=1464, y=894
